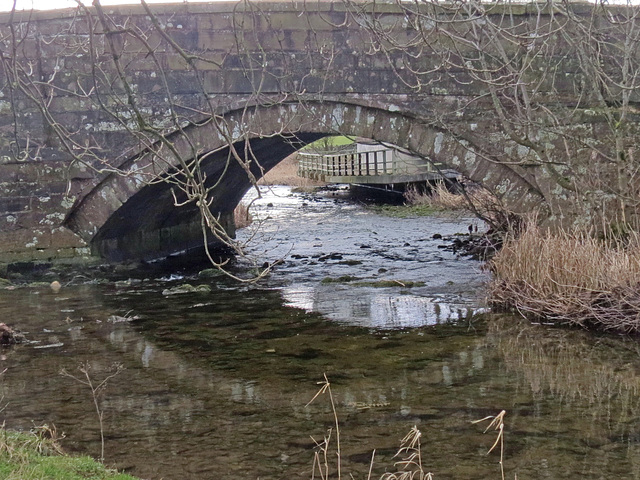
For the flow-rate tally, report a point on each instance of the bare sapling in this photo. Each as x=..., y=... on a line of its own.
x=97, y=391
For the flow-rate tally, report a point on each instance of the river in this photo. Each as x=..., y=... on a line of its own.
x=216, y=384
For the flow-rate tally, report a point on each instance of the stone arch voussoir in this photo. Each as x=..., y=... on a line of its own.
x=314, y=119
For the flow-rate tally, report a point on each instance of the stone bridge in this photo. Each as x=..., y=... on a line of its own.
x=103, y=113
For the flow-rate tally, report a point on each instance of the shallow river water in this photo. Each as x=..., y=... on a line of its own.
x=216, y=385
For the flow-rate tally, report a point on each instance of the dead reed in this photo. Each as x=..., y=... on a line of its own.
x=472, y=199
x=570, y=278
x=321, y=462
x=439, y=198
x=43, y=440
x=496, y=423
x=410, y=465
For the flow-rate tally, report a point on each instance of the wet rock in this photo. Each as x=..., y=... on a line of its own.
x=272, y=265
x=305, y=354
x=210, y=273
x=331, y=256
x=436, y=236
x=351, y=262
x=477, y=247
x=50, y=345
x=10, y=336
x=124, y=268
x=186, y=288
x=391, y=283
x=342, y=279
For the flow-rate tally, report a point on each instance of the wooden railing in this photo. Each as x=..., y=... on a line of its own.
x=370, y=164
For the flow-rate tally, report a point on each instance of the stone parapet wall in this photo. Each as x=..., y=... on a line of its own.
x=232, y=61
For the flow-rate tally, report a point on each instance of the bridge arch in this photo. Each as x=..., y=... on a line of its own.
x=128, y=217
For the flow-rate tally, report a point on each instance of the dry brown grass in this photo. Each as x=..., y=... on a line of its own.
x=286, y=173
x=439, y=198
x=474, y=199
x=569, y=278
x=410, y=465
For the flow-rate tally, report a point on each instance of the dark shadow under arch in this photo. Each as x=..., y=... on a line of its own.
x=125, y=218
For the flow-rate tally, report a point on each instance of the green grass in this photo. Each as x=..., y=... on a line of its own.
x=327, y=143
x=31, y=456
x=405, y=211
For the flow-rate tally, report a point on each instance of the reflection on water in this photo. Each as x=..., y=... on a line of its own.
x=219, y=390
x=216, y=384
x=381, y=310
x=578, y=369
x=329, y=238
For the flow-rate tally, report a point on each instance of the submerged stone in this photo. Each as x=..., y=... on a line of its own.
x=210, y=273
x=9, y=336
x=186, y=288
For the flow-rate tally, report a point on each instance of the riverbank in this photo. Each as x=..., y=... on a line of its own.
x=569, y=278
x=217, y=382
x=36, y=455
x=560, y=277
x=286, y=173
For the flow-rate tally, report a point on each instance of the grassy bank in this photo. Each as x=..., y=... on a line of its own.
x=286, y=173
x=563, y=277
x=438, y=199
x=570, y=278
x=34, y=455
x=418, y=203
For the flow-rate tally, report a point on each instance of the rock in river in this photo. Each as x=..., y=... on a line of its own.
x=9, y=336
